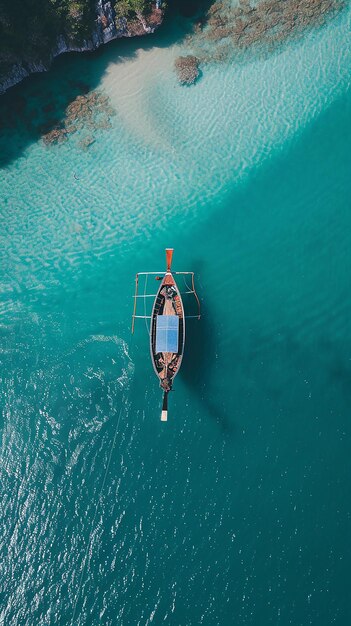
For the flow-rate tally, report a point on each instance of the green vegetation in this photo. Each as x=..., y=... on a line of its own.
x=124, y=8
x=29, y=28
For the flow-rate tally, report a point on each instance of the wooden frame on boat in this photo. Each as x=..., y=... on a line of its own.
x=167, y=330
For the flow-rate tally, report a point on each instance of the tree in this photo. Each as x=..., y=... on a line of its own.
x=124, y=8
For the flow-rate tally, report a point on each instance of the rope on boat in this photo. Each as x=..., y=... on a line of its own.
x=147, y=327
x=192, y=290
x=93, y=521
x=187, y=286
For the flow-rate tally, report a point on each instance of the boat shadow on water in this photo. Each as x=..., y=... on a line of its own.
x=199, y=365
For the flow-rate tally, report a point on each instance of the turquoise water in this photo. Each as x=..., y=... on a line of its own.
x=237, y=510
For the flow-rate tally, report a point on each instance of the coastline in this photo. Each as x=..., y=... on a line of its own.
x=224, y=31
x=105, y=31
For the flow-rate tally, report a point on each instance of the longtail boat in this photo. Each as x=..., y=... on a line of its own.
x=167, y=328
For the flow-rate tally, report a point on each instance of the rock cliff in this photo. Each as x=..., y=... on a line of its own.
x=77, y=33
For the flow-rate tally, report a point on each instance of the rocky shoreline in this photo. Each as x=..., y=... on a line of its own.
x=221, y=29
x=105, y=30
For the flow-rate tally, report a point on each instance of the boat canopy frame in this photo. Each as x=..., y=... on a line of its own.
x=190, y=290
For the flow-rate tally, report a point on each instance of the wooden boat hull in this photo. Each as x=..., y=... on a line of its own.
x=167, y=332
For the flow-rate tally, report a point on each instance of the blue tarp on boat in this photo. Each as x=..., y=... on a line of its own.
x=167, y=333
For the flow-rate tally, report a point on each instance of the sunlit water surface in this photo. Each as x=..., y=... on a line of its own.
x=237, y=510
